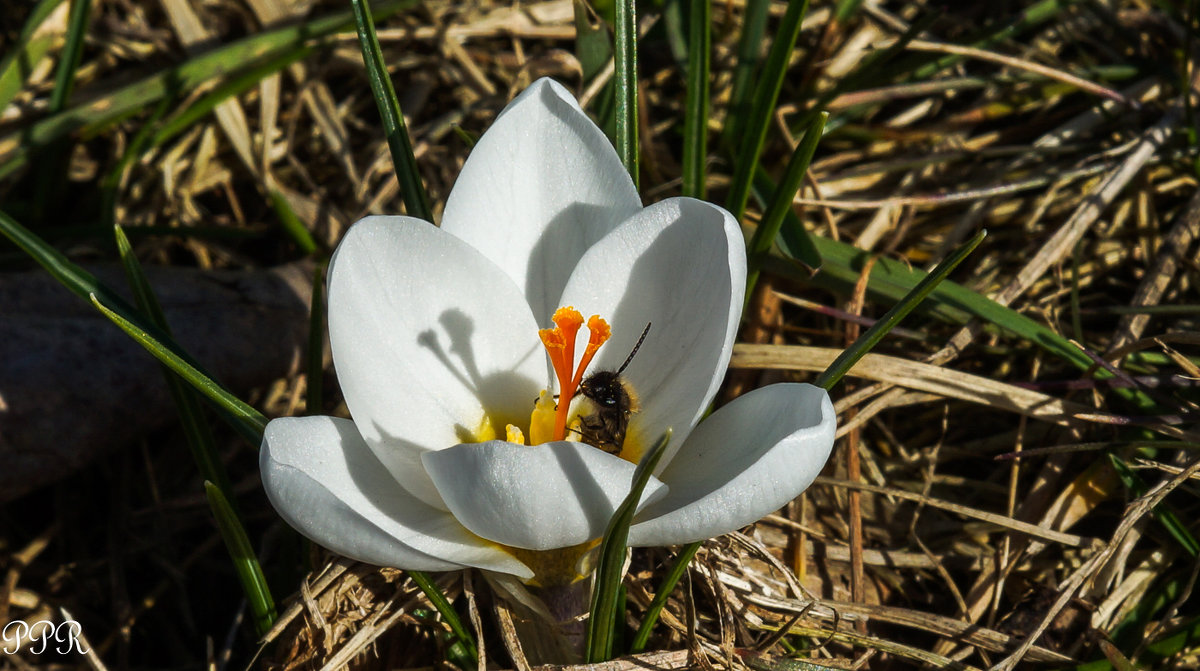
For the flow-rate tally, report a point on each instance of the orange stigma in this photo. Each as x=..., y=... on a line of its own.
x=560, y=346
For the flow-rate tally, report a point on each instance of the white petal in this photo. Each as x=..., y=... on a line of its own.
x=543, y=497
x=679, y=265
x=746, y=460
x=327, y=484
x=427, y=336
x=541, y=186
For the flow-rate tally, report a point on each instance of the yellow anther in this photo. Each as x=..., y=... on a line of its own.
x=541, y=423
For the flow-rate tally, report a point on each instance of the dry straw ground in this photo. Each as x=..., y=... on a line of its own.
x=989, y=504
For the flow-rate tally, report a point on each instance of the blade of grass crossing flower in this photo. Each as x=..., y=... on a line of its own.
x=412, y=190
x=754, y=26
x=695, y=121
x=768, y=229
x=660, y=597
x=766, y=93
x=196, y=429
x=249, y=422
x=245, y=562
x=439, y=601
x=31, y=45
x=605, y=616
x=314, y=380
x=867, y=341
x=625, y=78
x=291, y=224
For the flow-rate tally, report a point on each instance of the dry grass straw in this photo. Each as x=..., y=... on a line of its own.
x=926, y=551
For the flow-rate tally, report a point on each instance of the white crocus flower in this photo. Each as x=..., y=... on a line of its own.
x=435, y=338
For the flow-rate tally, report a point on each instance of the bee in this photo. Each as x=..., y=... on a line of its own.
x=613, y=402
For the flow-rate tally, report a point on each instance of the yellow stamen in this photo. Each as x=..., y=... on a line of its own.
x=541, y=423
x=513, y=435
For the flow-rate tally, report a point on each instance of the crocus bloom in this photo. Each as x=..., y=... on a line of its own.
x=440, y=339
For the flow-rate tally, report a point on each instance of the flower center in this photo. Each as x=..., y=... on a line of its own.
x=560, y=345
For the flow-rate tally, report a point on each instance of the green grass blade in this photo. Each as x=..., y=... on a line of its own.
x=593, y=45
x=439, y=601
x=768, y=229
x=877, y=68
x=64, y=76
x=314, y=381
x=25, y=53
x=842, y=264
x=695, y=120
x=754, y=26
x=196, y=429
x=232, y=87
x=1130, y=632
x=412, y=190
x=1029, y=18
x=79, y=281
x=605, y=618
x=867, y=341
x=674, y=30
x=245, y=562
x=660, y=597
x=110, y=186
x=1165, y=516
x=1185, y=637
x=52, y=170
x=625, y=80
x=766, y=94
x=846, y=9
x=793, y=238
x=17, y=147
x=295, y=229
x=593, y=48
x=250, y=422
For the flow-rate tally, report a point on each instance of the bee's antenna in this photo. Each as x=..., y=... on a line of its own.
x=635, y=349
